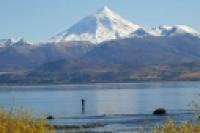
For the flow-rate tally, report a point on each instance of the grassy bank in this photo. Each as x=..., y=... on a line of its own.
x=19, y=121
x=171, y=127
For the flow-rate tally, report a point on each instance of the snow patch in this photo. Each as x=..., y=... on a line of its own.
x=103, y=26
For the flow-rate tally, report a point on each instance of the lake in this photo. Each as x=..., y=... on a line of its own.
x=113, y=99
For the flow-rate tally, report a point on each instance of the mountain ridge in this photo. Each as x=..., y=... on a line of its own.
x=106, y=25
x=118, y=55
x=114, y=27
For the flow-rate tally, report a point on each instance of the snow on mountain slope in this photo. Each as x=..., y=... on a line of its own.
x=13, y=41
x=102, y=26
x=106, y=25
x=166, y=30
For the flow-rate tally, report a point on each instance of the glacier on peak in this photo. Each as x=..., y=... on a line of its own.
x=107, y=25
x=103, y=26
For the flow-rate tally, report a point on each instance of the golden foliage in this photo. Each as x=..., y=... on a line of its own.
x=171, y=127
x=19, y=121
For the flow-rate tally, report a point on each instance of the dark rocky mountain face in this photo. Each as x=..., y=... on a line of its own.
x=148, y=50
x=133, y=52
x=124, y=60
x=26, y=57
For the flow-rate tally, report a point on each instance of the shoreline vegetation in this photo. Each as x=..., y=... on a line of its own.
x=19, y=121
x=171, y=127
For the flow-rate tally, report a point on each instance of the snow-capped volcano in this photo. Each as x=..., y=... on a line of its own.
x=107, y=25
x=103, y=26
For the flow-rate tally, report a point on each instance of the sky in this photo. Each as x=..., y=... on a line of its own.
x=39, y=20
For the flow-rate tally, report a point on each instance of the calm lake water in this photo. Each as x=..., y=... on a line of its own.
x=119, y=98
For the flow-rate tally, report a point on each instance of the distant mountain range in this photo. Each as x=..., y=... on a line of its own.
x=104, y=47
